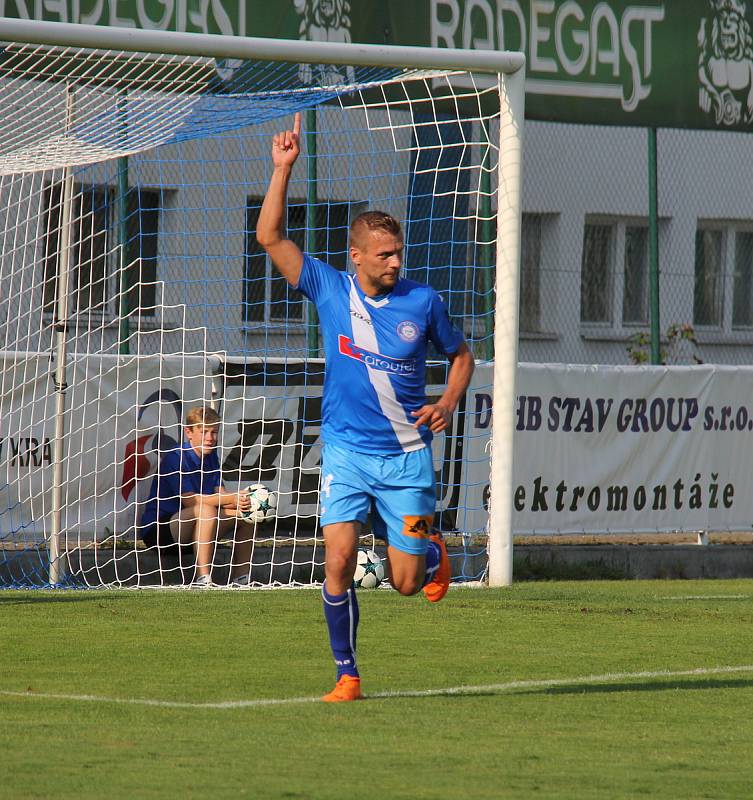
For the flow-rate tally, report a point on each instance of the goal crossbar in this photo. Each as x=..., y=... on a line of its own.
x=250, y=47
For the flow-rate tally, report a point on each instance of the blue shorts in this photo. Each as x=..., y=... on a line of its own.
x=398, y=490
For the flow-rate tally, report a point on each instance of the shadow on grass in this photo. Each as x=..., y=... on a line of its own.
x=648, y=686
x=10, y=597
x=672, y=685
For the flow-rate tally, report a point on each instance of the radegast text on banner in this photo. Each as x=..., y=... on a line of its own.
x=614, y=449
x=661, y=64
x=654, y=63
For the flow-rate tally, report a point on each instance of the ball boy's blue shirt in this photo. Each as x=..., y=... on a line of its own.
x=182, y=470
x=375, y=352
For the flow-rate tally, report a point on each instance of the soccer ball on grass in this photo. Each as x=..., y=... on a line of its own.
x=263, y=503
x=369, y=570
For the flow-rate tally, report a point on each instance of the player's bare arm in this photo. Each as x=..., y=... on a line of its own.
x=270, y=228
x=235, y=504
x=437, y=415
x=222, y=498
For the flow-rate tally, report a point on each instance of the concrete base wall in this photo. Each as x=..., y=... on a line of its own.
x=633, y=561
x=531, y=562
x=95, y=567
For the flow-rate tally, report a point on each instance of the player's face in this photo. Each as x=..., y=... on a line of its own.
x=378, y=258
x=203, y=438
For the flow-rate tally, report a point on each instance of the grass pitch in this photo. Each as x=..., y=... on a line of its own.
x=557, y=690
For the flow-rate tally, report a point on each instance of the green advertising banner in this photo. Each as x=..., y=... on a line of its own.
x=677, y=63
x=680, y=63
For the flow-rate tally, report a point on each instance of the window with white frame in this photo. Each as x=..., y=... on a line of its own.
x=614, y=272
x=267, y=297
x=708, y=285
x=635, y=276
x=723, y=278
x=94, y=281
x=530, y=273
x=742, y=286
x=597, y=266
x=535, y=245
x=143, y=209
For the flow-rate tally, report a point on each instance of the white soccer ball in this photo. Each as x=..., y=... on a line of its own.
x=263, y=503
x=369, y=570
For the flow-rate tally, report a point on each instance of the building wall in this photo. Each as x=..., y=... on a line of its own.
x=572, y=174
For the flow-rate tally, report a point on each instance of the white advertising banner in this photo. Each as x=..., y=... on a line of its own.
x=120, y=411
x=271, y=417
x=615, y=449
x=597, y=449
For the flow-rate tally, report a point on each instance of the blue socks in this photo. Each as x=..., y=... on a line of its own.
x=433, y=556
x=341, y=613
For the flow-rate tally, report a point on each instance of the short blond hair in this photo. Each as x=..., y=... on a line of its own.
x=370, y=221
x=202, y=415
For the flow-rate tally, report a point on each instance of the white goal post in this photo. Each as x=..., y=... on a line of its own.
x=130, y=168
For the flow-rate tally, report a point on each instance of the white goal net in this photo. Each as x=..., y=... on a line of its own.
x=133, y=288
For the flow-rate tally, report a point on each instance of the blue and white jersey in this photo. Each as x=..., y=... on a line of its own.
x=375, y=351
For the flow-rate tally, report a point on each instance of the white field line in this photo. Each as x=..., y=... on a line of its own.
x=705, y=597
x=491, y=688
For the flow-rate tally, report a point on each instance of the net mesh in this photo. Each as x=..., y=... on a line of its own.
x=135, y=290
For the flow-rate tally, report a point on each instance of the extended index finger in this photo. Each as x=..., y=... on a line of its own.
x=297, y=123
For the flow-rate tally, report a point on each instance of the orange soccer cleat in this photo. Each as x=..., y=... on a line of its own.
x=348, y=688
x=436, y=589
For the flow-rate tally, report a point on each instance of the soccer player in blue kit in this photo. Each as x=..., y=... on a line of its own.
x=376, y=422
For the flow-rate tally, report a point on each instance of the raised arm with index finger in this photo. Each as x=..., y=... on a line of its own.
x=270, y=228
